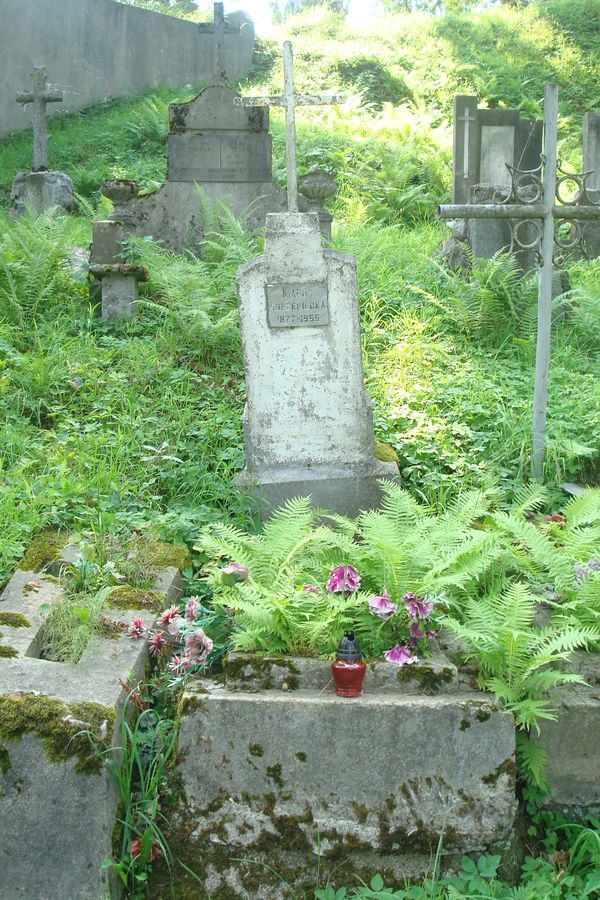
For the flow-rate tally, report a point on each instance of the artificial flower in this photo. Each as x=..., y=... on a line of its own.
x=416, y=607
x=156, y=644
x=311, y=589
x=192, y=608
x=234, y=572
x=343, y=579
x=136, y=629
x=135, y=848
x=381, y=606
x=415, y=631
x=169, y=615
x=197, y=648
x=400, y=655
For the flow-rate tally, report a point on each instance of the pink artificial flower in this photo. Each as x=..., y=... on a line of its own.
x=344, y=579
x=192, y=608
x=233, y=573
x=311, y=589
x=400, y=655
x=431, y=635
x=415, y=631
x=381, y=606
x=136, y=629
x=135, y=848
x=416, y=607
x=197, y=648
x=175, y=626
x=156, y=644
x=176, y=663
x=168, y=615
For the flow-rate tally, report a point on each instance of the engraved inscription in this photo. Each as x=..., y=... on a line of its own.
x=297, y=305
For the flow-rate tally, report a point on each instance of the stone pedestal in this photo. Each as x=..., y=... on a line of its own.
x=276, y=768
x=39, y=191
x=119, y=279
x=308, y=422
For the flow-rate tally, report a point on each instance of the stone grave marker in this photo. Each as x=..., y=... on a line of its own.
x=40, y=189
x=119, y=278
x=486, y=143
x=308, y=421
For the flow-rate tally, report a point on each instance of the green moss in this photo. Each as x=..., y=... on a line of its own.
x=5, y=763
x=464, y=724
x=43, y=549
x=191, y=703
x=508, y=767
x=14, y=620
x=362, y=813
x=385, y=452
x=255, y=671
x=274, y=773
x=126, y=597
x=255, y=750
x=301, y=756
x=154, y=554
x=59, y=725
x=428, y=678
x=7, y=652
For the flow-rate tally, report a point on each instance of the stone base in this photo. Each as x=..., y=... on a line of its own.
x=39, y=191
x=57, y=803
x=119, y=296
x=572, y=741
x=300, y=779
x=346, y=490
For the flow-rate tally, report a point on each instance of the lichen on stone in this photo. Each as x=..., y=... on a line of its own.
x=65, y=729
x=14, y=620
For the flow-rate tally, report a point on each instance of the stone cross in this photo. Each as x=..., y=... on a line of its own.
x=290, y=100
x=39, y=97
x=467, y=119
x=530, y=204
x=219, y=28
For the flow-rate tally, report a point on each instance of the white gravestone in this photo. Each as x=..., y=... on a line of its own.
x=308, y=422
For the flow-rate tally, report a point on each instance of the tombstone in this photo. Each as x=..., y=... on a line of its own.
x=119, y=279
x=40, y=189
x=486, y=141
x=308, y=422
x=224, y=149
x=591, y=165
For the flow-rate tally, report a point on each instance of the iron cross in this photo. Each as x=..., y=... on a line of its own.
x=540, y=212
x=39, y=97
x=290, y=100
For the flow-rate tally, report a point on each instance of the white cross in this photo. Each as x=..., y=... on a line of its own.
x=290, y=101
x=467, y=118
x=39, y=97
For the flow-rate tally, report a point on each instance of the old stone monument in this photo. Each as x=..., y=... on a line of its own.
x=119, y=278
x=487, y=144
x=308, y=420
x=219, y=147
x=40, y=189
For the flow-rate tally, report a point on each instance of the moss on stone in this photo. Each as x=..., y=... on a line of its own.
x=44, y=548
x=508, y=767
x=126, y=597
x=14, y=620
x=385, y=452
x=301, y=756
x=428, y=678
x=5, y=763
x=256, y=750
x=274, y=773
x=362, y=813
x=258, y=671
x=60, y=726
x=191, y=703
x=154, y=554
x=7, y=652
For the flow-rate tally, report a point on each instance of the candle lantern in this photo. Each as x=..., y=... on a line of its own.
x=348, y=667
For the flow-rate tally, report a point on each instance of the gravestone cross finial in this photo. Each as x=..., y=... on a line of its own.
x=290, y=100
x=39, y=97
x=219, y=28
x=467, y=119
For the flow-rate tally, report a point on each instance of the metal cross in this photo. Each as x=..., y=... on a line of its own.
x=537, y=209
x=39, y=97
x=219, y=28
x=290, y=100
x=467, y=119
